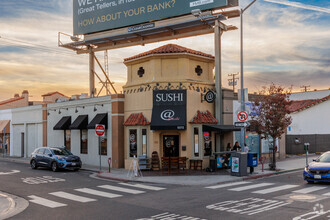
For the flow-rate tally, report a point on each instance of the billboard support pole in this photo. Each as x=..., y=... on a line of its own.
x=91, y=73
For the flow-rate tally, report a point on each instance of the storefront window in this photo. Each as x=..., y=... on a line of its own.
x=144, y=142
x=132, y=142
x=67, y=134
x=207, y=144
x=196, y=142
x=84, y=141
x=104, y=144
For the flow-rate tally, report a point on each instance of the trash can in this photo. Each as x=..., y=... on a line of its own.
x=238, y=164
x=213, y=165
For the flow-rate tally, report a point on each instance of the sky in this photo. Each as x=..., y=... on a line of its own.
x=285, y=42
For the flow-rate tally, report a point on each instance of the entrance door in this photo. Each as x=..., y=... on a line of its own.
x=171, y=145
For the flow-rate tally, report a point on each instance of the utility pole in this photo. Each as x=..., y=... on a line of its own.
x=233, y=80
x=304, y=88
x=242, y=82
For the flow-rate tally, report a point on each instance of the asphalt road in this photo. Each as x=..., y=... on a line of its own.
x=77, y=195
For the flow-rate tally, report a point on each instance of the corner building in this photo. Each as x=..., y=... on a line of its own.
x=164, y=106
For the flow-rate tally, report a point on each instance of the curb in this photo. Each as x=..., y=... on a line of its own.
x=115, y=178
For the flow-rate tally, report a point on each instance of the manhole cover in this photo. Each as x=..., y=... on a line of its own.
x=302, y=197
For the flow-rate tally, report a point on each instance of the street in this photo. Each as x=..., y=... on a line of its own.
x=79, y=195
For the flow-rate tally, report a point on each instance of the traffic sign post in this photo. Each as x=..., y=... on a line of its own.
x=99, y=131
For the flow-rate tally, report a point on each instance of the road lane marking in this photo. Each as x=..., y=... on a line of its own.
x=72, y=197
x=121, y=189
x=143, y=186
x=8, y=173
x=226, y=185
x=238, y=189
x=309, y=189
x=326, y=194
x=275, y=189
x=46, y=202
x=98, y=193
x=170, y=216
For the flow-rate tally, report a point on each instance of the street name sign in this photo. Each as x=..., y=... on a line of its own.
x=242, y=124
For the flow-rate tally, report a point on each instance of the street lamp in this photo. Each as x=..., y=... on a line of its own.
x=242, y=85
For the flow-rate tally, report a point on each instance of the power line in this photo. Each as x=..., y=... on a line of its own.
x=304, y=88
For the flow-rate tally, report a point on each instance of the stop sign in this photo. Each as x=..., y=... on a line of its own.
x=99, y=130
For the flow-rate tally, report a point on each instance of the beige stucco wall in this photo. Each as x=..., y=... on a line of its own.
x=159, y=71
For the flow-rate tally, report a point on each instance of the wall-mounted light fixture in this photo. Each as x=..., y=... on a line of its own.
x=48, y=113
x=95, y=109
x=59, y=111
x=76, y=111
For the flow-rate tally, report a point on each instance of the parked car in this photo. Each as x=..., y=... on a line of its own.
x=319, y=169
x=55, y=158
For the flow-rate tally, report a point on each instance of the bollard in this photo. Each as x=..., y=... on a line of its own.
x=109, y=162
x=262, y=161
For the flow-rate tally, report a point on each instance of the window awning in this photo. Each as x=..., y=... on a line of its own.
x=99, y=119
x=63, y=124
x=80, y=123
x=4, y=124
x=168, y=118
x=220, y=128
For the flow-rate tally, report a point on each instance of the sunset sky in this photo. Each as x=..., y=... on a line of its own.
x=285, y=42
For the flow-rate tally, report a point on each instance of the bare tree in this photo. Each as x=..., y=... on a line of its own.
x=272, y=118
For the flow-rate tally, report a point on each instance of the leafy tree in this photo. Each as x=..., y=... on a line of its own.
x=272, y=118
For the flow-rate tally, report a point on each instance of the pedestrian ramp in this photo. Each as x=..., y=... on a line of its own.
x=269, y=188
x=83, y=195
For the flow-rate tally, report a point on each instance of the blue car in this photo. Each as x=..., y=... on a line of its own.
x=54, y=158
x=319, y=169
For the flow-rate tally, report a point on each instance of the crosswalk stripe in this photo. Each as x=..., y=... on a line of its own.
x=121, y=189
x=275, y=189
x=98, y=193
x=242, y=188
x=45, y=202
x=226, y=185
x=309, y=189
x=326, y=194
x=143, y=186
x=72, y=197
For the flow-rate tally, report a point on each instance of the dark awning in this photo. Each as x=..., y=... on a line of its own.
x=99, y=119
x=168, y=118
x=220, y=128
x=80, y=123
x=63, y=124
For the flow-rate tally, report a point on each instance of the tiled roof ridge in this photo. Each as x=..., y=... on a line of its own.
x=204, y=118
x=10, y=100
x=52, y=93
x=300, y=105
x=170, y=49
x=136, y=119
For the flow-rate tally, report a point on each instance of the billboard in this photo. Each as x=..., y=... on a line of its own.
x=90, y=16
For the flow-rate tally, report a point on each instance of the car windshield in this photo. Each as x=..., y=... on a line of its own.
x=58, y=151
x=324, y=158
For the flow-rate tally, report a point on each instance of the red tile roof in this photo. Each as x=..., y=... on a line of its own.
x=204, y=118
x=170, y=49
x=11, y=100
x=300, y=105
x=136, y=119
x=53, y=93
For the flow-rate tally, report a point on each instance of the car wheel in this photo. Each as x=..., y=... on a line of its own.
x=33, y=164
x=310, y=182
x=54, y=167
